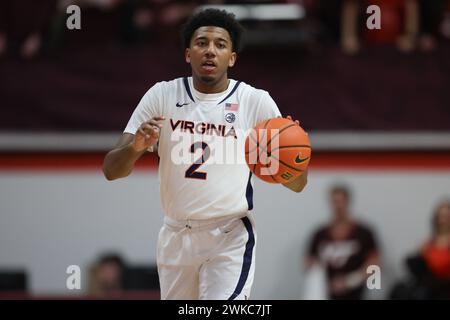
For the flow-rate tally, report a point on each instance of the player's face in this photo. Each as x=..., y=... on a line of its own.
x=210, y=55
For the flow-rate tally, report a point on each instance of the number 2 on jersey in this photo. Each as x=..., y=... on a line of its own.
x=191, y=171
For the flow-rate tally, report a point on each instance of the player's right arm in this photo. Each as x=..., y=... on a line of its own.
x=119, y=162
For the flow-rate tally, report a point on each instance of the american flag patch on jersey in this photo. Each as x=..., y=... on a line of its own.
x=231, y=106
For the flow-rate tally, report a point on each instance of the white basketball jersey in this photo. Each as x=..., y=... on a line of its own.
x=202, y=168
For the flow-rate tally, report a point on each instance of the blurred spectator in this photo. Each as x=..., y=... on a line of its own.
x=13, y=280
x=431, y=16
x=399, y=24
x=346, y=20
x=444, y=28
x=24, y=26
x=100, y=23
x=106, y=279
x=430, y=267
x=436, y=251
x=144, y=20
x=326, y=14
x=344, y=248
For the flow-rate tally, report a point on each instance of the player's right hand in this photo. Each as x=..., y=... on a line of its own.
x=147, y=134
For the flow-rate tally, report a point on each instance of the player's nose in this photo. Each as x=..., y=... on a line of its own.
x=210, y=50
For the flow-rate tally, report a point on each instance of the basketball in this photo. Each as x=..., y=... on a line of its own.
x=277, y=150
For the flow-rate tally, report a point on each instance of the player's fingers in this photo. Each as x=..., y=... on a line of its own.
x=152, y=126
x=150, y=131
x=297, y=122
x=143, y=133
x=151, y=122
x=157, y=123
x=148, y=127
x=155, y=132
x=289, y=117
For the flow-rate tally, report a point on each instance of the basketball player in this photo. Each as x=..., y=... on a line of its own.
x=206, y=245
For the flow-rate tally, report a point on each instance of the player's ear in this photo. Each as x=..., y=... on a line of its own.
x=232, y=60
x=187, y=55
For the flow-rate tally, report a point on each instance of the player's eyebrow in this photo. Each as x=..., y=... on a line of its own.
x=200, y=37
x=222, y=39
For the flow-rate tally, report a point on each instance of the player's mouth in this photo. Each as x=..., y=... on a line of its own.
x=209, y=66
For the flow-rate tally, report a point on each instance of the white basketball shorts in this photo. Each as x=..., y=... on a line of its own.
x=209, y=259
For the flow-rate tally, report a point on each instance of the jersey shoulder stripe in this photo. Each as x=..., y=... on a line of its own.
x=188, y=89
x=231, y=92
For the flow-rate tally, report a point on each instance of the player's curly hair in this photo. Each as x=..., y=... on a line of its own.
x=216, y=18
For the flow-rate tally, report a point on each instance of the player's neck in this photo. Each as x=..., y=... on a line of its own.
x=219, y=86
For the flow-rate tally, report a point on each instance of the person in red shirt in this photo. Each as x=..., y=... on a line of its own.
x=436, y=251
x=399, y=24
x=430, y=266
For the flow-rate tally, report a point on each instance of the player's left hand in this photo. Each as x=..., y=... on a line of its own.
x=296, y=121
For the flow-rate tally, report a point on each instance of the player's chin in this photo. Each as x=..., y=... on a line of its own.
x=207, y=78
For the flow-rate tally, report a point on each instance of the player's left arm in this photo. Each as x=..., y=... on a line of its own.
x=299, y=183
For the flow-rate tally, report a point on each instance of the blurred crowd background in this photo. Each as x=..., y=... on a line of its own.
x=124, y=46
x=371, y=99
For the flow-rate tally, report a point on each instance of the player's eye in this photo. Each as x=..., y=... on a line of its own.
x=221, y=45
x=201, y=43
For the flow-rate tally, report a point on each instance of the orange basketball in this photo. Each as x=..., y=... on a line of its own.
x=277, y=150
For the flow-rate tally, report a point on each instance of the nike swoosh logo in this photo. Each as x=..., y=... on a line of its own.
x=179, y=105
x=299, y=160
